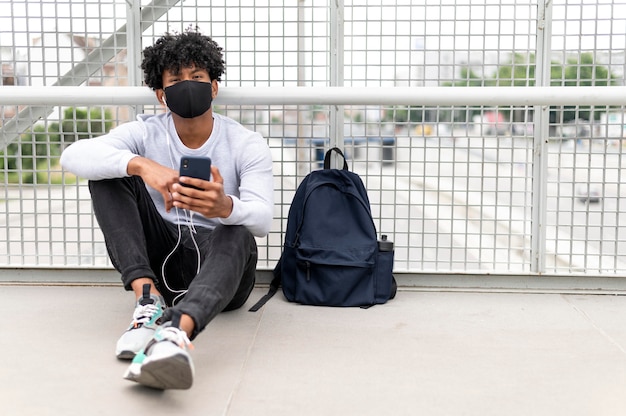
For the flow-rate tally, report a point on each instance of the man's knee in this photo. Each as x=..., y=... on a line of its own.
x=243, y=293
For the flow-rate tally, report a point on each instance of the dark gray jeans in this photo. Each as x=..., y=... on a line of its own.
x=139, y=240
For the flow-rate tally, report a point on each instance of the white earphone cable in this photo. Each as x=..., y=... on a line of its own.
x=190, y=226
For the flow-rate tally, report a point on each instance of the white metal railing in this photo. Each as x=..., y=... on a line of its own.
x=460, y=190
x=428, y=96
x=428, y=182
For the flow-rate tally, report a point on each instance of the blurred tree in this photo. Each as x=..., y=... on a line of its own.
x=81, y=123
x=520, y=72
x=29, y=159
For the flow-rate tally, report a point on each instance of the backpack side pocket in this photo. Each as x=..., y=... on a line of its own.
x=384, y=281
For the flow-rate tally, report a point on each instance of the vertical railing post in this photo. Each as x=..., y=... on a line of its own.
x=336, y=72
x=302, y=144
x=540, y=139
x=133, y=48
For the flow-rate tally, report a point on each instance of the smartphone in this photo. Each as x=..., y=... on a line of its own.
x=195, y=167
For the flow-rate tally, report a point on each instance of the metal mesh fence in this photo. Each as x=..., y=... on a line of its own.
x=480, y=188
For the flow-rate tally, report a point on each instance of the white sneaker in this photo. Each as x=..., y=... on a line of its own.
x=164, y=363
x=141, y=330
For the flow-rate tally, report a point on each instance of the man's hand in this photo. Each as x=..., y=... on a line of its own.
x=156, y=176
x=209, y=200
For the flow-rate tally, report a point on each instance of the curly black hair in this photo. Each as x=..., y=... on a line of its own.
x=179, y=50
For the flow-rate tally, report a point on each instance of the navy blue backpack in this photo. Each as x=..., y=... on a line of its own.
x=332, y=255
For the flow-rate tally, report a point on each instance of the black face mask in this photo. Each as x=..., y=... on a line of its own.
x=189, y=99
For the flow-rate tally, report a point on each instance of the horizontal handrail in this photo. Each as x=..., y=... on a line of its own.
x=427, y=96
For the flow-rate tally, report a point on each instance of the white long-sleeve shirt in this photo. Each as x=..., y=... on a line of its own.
x=242, y=156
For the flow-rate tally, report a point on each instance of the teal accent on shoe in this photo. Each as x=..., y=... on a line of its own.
x=139, y=358
x=156, y=316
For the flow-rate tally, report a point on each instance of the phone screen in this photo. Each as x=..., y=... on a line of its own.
x=195, y=167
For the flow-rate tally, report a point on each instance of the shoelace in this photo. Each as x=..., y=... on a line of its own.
x=176, y=336
x=143, y=314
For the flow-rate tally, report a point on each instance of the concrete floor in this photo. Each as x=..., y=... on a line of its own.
x=424, y=353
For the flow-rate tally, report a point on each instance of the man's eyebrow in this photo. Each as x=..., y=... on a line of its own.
x=172, y=72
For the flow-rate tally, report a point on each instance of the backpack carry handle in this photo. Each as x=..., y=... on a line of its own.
x=327, y=158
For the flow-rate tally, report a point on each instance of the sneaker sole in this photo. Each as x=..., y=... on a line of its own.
x=168, y=373
x=125, y=355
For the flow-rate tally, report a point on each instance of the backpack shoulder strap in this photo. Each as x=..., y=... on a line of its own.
x=274, y=285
